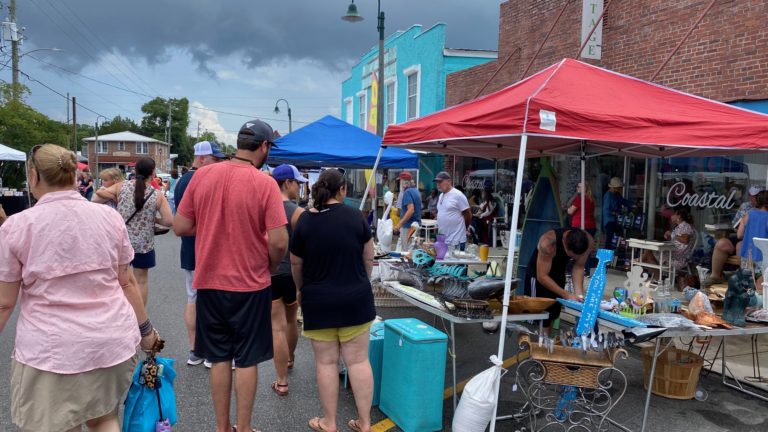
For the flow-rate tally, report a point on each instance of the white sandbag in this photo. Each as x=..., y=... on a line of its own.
x=475, y=409
x=385, y=226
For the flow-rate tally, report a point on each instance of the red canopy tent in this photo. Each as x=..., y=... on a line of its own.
x=576, y=108
x=571, y=102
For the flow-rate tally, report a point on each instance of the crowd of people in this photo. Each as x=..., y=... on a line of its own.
x=82, y=298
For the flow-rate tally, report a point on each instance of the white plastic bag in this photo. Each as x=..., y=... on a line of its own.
x=475, y=409
x=385, y=227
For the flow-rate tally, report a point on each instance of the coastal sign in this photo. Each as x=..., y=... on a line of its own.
x=677, y=196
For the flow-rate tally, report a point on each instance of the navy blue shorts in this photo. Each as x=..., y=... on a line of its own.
x=234, y=326
x=144, y=260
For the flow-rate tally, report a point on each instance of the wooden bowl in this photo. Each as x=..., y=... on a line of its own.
x=525, y=305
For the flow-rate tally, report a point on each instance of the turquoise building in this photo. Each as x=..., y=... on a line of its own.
x=416, y=63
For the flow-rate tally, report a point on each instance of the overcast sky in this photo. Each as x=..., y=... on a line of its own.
x=236, y=56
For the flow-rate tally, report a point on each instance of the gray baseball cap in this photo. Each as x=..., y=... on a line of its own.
x=442, y=175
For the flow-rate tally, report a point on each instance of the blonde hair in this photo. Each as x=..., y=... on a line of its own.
x=55, y=165
x=113, y=174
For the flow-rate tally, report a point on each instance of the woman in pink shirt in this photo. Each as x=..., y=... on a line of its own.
x=81, y=315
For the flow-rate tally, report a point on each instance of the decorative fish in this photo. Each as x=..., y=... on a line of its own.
x=485, y=288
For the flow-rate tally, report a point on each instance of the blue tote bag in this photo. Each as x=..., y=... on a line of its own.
x=151, y=402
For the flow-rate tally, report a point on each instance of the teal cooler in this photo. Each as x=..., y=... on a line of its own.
x=413, y=376
x=376, y=356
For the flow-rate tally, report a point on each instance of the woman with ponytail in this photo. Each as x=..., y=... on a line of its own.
x=80, y=312
x=138, y=202
x=331, y=262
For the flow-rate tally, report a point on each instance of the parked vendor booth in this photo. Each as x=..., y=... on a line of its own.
x=577, y=109
x=13, y=164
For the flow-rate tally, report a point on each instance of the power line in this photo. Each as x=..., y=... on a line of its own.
x=59, y=93
x=150, y=96
x=90, y=78
x=90, y=42
x=96, y=61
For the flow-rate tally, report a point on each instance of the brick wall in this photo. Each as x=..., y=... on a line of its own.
x=725, y=58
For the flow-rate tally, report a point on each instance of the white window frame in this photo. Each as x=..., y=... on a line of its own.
x=84, y=149
x=141, y=145
x=393, y=102
x=362, y=115
x=102, y=147
x=411, y=70
x=121, y=146
x=349, y=105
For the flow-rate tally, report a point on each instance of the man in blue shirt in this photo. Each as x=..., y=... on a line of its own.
x=206, y=153
x=410, y=207
x=613, y=202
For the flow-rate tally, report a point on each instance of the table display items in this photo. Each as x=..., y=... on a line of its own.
x=588, y=373
x=760, y=314
x=741, y=288
x=384, y=228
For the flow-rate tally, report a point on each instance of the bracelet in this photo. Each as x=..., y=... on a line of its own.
x=146, y=328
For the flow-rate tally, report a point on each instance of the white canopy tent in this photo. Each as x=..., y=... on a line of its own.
x=13, y=155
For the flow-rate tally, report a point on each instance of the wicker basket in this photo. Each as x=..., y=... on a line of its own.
x=571, y=366
x=385, y=299
x=676, y=375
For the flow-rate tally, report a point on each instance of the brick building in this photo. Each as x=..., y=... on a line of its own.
x=122, y=149
x=724, y=58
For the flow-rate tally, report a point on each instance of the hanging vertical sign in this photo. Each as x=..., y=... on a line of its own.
x=373, y=104
x=590, y=12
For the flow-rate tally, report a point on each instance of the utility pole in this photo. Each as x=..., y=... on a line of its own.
x=168, y=125
x=74, y=126
x=14, y=53
x=68, y=113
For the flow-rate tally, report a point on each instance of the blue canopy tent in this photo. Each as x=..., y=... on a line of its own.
x=330, y=142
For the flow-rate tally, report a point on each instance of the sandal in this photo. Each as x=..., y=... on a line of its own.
x=234, y=429
x=290, y=362
x=315, y=425
x=277, y=388
x=355, y=425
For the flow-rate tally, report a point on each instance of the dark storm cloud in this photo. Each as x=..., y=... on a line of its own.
x=260, y=31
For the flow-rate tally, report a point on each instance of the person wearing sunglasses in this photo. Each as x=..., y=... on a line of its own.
x=81, y=315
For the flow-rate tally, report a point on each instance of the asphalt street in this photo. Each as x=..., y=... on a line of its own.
x=724, y=410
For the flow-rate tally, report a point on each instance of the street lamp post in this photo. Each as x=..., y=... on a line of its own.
x=353, y=16
x=277, y=111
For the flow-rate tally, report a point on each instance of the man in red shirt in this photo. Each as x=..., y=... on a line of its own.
x=236, y=213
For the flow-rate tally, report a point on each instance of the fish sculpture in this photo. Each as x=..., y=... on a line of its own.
x=485, y=288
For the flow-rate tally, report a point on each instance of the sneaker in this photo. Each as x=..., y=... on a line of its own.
x=712, y=280
x=208, y=364
x=194, y=360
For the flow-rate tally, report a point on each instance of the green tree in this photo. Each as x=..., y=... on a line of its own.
x=119, y=124
x=155, y=121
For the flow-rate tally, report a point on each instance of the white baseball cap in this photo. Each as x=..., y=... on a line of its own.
x=754, y=190
x=205, y=148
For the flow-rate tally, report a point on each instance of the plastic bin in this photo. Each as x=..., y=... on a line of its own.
x=376, y=357
x=413, y=375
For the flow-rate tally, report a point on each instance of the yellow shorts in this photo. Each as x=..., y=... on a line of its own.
x=337, y=334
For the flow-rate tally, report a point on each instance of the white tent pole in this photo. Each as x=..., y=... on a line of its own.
x=510, y=265
x=370, y=179
x=583, y=184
